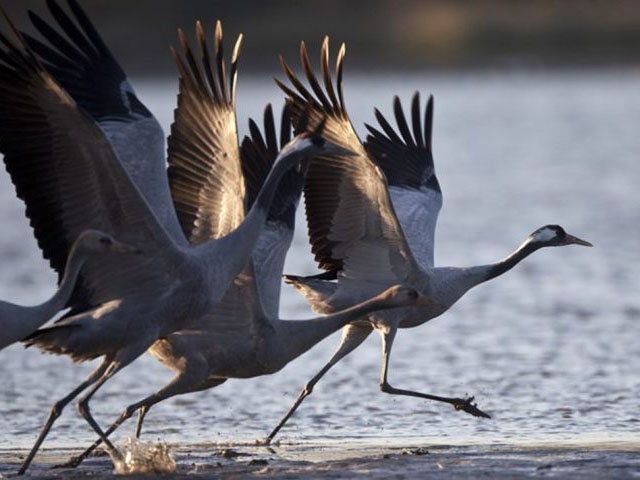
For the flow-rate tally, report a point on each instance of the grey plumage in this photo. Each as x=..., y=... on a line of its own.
x=81, y=62
x=70, y=177
x=242, y=336
x=17, y=321
x=371, y=221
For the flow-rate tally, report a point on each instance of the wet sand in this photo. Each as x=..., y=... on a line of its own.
x=579, y=460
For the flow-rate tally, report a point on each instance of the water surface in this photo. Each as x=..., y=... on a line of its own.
x=551, y=349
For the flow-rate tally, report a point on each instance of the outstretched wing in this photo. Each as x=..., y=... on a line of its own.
x=407, y=162
x=66, y=172
x=83, y=65
x=239, y=310
x=236, y=318
x=204, y=159
x=258, y=155
x=352, y=224
x=75, y=55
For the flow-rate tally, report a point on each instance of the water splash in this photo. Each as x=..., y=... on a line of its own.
x=142, y=457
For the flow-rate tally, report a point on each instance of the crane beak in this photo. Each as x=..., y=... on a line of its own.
x=329, y=149
x=335, y=149
x=120, y=247
x=571, y=240
x=424, y=301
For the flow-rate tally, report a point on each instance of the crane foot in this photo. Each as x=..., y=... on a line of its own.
x=73, y=462
x=467, y=405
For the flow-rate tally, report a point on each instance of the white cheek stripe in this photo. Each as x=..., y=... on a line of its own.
x=545, y=235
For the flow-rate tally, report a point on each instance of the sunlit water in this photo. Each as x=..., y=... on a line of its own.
x=551, y=349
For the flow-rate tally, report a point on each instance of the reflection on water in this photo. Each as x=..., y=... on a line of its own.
x=550, y=350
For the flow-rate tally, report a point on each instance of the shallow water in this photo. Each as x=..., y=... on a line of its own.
x=550, y=350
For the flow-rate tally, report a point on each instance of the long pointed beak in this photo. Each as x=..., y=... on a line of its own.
x=335, y=149
x=424, y=301
x=570, y=240
x=120, y=247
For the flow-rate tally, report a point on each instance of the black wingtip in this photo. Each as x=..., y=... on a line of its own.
x=428, y=125
x=415, y=120
x=270, y=129
x=21, y=39
x=319, y=130
x=285, y=125
x=304, y=121
x=404, y=153
x=290, y=279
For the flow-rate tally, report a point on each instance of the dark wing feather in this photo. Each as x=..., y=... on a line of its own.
x=66, y=172
x=204, y=159
x=258, y=155
x=83, y=65
x=74, y=54
x=306, y=108
x=407, y=162
x=348, y=208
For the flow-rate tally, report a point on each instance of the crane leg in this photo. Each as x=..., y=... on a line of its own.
x=464, y=404
x=123, y=358
x=352, y=336
x=57, y=408
x=203, y=385
x=85, y=411
x=142, y=413
x=192, y=379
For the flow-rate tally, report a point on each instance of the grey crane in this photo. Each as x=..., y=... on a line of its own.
x=195, y=354
x=18, y=321
x=372, y=219
x=242, y=336
x=71, y=179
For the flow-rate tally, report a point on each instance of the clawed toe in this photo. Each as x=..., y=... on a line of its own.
x=466, y=405
x=263, y=442
x=73, y=462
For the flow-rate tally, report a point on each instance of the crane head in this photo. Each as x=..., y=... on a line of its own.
x=555, y=236
x=95, y=241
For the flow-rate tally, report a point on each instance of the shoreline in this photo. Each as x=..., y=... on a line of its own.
x=569, y=459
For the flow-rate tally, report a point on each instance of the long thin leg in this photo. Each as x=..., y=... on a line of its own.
x=144, y=409
x=190, y=380
x=464, y=404
x=123, y=358
x=57, y=408
x=142, y=413
x=85, y=411
x=352, y=336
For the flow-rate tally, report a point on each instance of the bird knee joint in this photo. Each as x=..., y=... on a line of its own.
x=56, y=410
x=83, y=408
x=127, y=413
x=384, y=387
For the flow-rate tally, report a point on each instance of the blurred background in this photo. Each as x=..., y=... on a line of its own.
x=537, y=114
x=404, y=34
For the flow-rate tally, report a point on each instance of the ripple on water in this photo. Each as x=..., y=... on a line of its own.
x=558, y=335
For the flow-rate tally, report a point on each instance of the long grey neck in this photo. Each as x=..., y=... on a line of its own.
x=235, y=248
x=503, y=266
x=43, y=312
x=447, y=285
x=301, y=335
